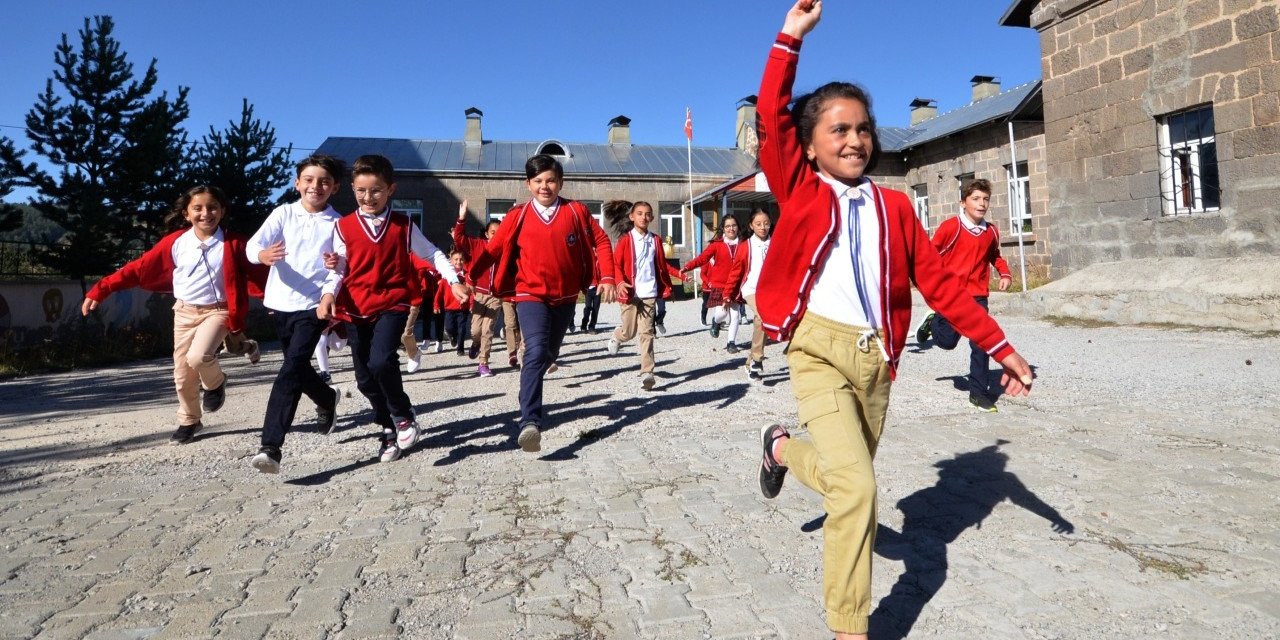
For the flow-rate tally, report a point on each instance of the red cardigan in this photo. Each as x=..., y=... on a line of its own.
x=153, y=271
x=625, y=256
x=969, y=255
x=472, y=248
x=809, y=221
x=592, y=246
x=720, y=258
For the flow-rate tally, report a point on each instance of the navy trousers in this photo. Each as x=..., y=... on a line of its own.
x=299, y=332
x=543, y=327
x=377, y=365
x=946, y=337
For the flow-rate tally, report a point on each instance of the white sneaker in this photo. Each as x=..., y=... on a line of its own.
x=422, y=346
x=390, y=452
x=413, y=364
x=612, y=346
x=406, y=433
x=660, y=329
x=439, y=346
x=647, y=381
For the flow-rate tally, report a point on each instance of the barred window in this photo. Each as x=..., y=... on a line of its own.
x=1189, y=162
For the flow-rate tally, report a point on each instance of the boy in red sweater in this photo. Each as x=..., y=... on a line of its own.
x=457, y=311
x=372, y=294
x=485, y=307
x=546, y=252
x=969, y=247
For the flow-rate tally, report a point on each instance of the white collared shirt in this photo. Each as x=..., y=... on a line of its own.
x=975, y=228
x=297, y=280
x=418, y=244
x=834, y=295
x=759, y=248
x=646, y=278
x=197, y=269
x=546, y=213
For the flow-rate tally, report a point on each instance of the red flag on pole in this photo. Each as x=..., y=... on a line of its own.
x=688, y=123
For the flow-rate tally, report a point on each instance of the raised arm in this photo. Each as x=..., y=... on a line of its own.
x=781, y=158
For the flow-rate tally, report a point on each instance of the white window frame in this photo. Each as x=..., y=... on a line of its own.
x=920, y=195
x=498, y=215
x=411, y=207
x=596, y=209
x=1019, y=200
x=666, y=218
x=1178, y=161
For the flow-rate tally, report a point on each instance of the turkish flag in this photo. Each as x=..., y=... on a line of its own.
x=688, y=124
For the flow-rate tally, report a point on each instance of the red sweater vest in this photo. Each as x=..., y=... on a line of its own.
x=380, y=274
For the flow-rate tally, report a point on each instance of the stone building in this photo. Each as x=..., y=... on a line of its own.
x=1161, y=127
x=434, y=176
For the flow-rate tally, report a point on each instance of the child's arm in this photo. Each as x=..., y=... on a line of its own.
x=604, y=261
x=483, y=259
x=781, y=158
x=337, y=265
x=130, y=275
x=619, y=263
x=702, y=258
x=423, y=248
x=266, y=246
x=468, y=245
x=944, y=234
x=999, y=263
x=737, y=272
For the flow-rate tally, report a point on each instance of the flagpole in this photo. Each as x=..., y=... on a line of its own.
x=688, y=134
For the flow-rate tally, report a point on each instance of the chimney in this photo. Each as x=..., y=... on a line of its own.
x=472, y=135
x=620, y=130
x=923, y=109
x=985, y=87
x=745, y=127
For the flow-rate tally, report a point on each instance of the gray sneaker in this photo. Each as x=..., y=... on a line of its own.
x=530, y=438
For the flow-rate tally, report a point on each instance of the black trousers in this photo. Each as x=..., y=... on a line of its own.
x=299, y=331
x=377, y=366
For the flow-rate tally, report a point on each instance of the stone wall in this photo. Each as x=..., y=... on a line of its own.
x=1111, y=69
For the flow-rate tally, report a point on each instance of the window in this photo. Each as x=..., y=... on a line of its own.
x=671, y=215
x=497, y=209
x=594, y=207
x=1189, y=162
x=1019, y=199
x=963, y=181
x=920, y=193
x=411, y=208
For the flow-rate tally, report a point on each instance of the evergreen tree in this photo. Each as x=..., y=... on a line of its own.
x=244, y=161
x=11, y=177
x=153, y=167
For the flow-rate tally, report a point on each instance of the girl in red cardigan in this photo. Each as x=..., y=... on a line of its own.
x=644, y=277
x=838, y=276
x=207, y=271
x=723, y=302
x=744, y=280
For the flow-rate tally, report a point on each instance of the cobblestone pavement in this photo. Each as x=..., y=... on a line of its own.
x=1155, y=448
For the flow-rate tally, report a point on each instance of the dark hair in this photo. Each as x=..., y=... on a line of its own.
x=374, y=165
x=178, y=213
x=617, y=213
x=330, y=164
x=981, y=184
x=542, y=162
x=725, y=220
x=491, y=223
x=808, y=108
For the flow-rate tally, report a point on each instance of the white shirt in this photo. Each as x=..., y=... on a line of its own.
x=418, y=244
x=646, y=279
x=197, y=269
x=834, y=295
x=297, y=280
x=546, y=213
x=758, y=250
x=972, y=227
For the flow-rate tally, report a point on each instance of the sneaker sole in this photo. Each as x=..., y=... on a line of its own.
x=764, y=473
x=530, y=440
x=407, y=445
x=984, y=409
x=266, y=464
x=648, y=384
x=389, y=458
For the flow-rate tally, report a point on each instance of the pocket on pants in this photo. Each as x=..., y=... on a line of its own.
x=831, y=437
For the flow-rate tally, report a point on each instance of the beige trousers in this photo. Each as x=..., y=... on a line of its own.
x=484, y=314
x=197, y=332
x=843, y=393
x=407, y=339
x=511, y=325
x=757, y=333
x=637, y=319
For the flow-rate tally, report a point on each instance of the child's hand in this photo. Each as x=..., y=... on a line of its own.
x=462, y=210
x=1005, y=282
x=271, y=254
x=1017, y=375
x=608, y=293
x=802, y=18
x=461, y=291
x=88, y=305
x=330, y=260
x=325, y=310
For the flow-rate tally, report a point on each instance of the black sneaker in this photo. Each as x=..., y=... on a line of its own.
x=771, y=472
x=328, y=418
x=982, y=403
x=185, y=433
x=755, y=370
x=530, y=438
x=267, y=460
x=925, y=329
x=474, y=351
x=731, y=348
x=213, y=398
x=715, y=329
x=328, y=379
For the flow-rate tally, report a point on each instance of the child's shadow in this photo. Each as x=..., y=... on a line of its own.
x=969, y=487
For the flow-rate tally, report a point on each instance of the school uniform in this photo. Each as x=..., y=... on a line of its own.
x=457, y=315
x=294, y=286
x=545, y=257
x=722, y=298
x=641, y=264
x=841, y=262
x=744, y=280
x=969, y=251
x=485, y=306
x=373, y=292
x=211, y=282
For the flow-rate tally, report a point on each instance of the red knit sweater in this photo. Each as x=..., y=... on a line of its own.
x=809, y=221
x=970, y=256
x=473, y=247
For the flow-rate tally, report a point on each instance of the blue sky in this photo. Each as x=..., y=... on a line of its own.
x=551, y=69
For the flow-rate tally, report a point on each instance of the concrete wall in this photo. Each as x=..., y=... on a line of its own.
x=1111, y=67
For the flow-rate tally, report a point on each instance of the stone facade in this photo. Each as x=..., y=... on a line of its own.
x=1113, y=69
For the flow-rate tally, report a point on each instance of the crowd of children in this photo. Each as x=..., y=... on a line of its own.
x=838, y=261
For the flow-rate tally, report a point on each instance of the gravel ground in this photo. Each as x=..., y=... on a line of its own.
x=1155, y=448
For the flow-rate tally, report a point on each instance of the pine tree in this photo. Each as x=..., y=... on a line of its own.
x=244, y=161
x=12, y=171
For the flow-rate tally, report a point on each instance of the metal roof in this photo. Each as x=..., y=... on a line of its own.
x=446, y=156
x=997, y=107
x=1018, y=14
